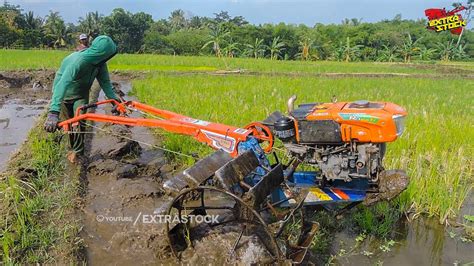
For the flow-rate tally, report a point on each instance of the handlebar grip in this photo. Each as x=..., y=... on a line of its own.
x=87, y=106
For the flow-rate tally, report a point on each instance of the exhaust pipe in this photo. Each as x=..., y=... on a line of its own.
x=291, y=104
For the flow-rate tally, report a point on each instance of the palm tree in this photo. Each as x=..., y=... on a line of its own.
x=31, y=22
x=409, y=48
x=276, y=47
x=56, y=29
x=217, y=37
x=256, y=49
x=91, y=25
x=178, y=20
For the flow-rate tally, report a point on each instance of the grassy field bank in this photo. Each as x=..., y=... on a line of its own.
x=436, y=148
x=41, y=59
x=37, y=201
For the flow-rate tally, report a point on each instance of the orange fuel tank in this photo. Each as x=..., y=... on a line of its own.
x=361, y=121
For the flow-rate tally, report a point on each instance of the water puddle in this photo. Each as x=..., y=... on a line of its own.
x=423, y=241
x=16, y=120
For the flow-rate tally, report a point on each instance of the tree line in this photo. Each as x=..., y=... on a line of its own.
x=390, y=40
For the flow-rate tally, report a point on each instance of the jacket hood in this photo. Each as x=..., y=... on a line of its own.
x=101, y=50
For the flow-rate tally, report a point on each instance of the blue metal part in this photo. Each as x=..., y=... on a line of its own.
x=252, y=144
x=337, y=191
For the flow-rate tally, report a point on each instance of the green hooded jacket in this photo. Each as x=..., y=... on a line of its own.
x=78, y=70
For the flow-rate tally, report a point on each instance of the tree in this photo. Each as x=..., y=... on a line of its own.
x=32, y=22
x=409, y=48
x=305, y=46
x=388, y=54
x=177, y=20
x=350, y=52
x=256, y=49
x=217, y=36
x=231, y=49
x=276, y=47
x=91, y=24
x=446, y=50
x=426, y=53
x=459, y=53
x=127, y=29
x=56, y=30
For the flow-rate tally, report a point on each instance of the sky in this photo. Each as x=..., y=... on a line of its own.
x=308, y=12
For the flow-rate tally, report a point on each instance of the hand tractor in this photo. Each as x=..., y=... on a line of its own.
x=245, y=183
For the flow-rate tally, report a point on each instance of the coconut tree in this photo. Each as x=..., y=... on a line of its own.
x=91, y=24
x=276, y=47
x=256, y=49
x=178, y=20
x=217, y=36
x=56, y=29
x=32, y=22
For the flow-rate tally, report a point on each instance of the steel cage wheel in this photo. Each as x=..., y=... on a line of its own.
x=178, y=203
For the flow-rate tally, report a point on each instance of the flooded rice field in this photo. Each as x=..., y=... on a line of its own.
x=123, y=184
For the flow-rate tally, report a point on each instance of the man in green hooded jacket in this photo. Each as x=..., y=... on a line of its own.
x=73, y=82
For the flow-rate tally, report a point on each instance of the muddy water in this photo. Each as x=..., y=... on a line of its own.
x=423, y=241
x=124, y=191
x=16, y=121
x=23, y=97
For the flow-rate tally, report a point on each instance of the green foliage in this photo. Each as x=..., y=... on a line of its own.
x=33, y=203
x=127, y=29
x=435, y=149
x=378, y=220
x=352, y=40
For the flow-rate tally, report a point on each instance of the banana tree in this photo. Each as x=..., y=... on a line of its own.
x=409, y=48
x=217, y=36
x=388, y=54
x=257, y=49
x=276, y=47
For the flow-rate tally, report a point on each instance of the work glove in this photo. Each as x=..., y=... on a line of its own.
x=51, y=123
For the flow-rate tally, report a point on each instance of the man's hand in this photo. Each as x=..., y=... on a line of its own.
x=52, y=120
x=115, y=111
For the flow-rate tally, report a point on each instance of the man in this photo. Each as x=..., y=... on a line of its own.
x=72, y=85
x=83, y=42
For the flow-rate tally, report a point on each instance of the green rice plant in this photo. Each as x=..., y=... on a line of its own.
x=34, y=204
x=435, y=150
x=50, y=59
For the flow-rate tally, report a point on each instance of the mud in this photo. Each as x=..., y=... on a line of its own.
x=23, y=98
x=124, y=189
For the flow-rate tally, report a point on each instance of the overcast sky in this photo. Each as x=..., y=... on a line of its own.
x=256, y=11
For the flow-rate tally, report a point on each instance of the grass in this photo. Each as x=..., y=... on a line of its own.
x=49, y=59
x=436, y=148
x=38, y=223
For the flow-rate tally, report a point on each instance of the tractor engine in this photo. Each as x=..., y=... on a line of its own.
x=345, y=140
